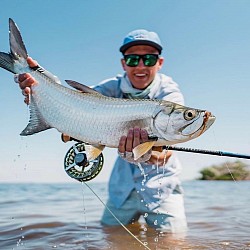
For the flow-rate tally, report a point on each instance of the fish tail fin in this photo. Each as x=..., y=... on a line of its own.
x=17, y=47
x=7, y=62
x=18, y=51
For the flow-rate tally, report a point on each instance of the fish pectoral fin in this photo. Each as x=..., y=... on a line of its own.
x=81, y=87
x=142, y=149
x=93, y=151
x=36, y=123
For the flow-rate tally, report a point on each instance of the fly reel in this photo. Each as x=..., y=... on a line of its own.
x=77, y=165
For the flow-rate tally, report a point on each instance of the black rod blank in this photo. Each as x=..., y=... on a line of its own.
x=208, y=152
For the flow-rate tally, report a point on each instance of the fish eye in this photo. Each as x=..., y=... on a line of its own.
x=189, y=114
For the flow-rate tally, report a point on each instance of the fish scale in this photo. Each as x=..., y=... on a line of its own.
x=108, y=118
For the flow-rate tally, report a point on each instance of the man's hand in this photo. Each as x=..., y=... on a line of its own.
x=135, y=137
x=25, y=80
x=127, y=143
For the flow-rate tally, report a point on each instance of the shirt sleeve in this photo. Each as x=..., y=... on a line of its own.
x=109, y=87
x=168, y=90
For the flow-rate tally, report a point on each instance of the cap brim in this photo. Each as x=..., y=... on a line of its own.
x=124, y=47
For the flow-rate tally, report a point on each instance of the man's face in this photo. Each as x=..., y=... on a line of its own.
x=141, y=76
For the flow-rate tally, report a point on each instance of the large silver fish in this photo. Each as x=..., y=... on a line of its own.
x=98, y=120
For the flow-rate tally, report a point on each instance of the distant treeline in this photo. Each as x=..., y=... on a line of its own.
x=225, y=171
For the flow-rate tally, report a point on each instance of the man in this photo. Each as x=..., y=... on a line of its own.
x=149, y=186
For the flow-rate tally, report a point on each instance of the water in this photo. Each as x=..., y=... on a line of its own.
x=67, y=216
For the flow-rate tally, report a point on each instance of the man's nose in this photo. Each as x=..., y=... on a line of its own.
x=141, y=63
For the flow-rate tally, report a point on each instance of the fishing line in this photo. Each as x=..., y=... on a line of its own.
x=116, y=217
x=230, y=172
x=85, y=217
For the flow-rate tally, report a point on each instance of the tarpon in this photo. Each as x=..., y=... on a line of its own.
x=95, y=119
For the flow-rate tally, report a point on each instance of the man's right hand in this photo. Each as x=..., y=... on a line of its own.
x=25, y=80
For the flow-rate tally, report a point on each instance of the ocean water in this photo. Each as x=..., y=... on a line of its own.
x=67, y=216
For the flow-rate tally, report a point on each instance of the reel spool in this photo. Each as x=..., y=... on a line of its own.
x=78, y=167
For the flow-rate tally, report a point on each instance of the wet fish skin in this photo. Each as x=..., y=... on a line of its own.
x=96, y=119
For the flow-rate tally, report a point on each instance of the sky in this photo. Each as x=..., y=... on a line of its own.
x=206, y=50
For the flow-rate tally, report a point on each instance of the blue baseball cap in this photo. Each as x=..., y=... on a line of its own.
x=141, y=37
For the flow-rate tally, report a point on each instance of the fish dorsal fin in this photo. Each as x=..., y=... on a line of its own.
x=17, y=47
x=93, y=151
x=142, y=149
x=36, y=122
x=81, y=87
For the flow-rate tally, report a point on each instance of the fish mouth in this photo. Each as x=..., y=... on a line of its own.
x=206, y=122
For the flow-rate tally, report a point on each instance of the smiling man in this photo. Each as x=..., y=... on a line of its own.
x=150, y=185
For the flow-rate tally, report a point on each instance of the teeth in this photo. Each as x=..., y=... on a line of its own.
x=140, y=74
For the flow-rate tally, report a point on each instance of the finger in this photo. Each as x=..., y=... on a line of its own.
x=144, y=135
x=122, y=144
x=137, y=136
x=26, y=81
x=164, y=157
x=27, y=100
x=26, y=91
x=32, y=62
x=24, y=76
x=16, y=78
x=129, y=142
x=168, y=154
x=65, y=138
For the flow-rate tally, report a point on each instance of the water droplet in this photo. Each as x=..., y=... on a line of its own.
x=156, y=239
x=141, y=200
x=145, y=243
x=155, y=222
x=145, y=229
x=225, y=243
x=145, y=215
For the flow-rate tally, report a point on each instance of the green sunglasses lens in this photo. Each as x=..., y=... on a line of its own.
x=148, y=60
x=132, y=60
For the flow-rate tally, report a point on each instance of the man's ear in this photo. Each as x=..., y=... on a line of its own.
x=123, y=64
x=160, y=62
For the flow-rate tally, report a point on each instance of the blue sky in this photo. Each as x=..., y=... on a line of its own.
x=206, y=50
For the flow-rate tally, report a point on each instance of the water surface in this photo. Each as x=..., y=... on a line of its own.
x=67, y=216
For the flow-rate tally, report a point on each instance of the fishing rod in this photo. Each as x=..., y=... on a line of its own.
x=208, y=152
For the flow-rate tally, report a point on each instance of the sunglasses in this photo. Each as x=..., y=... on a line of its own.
x=133, y=60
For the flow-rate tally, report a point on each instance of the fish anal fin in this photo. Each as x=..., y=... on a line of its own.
x=142, y=149
x=81, y=87
x=93, y=151
x=36, y=123
x=31, y=129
